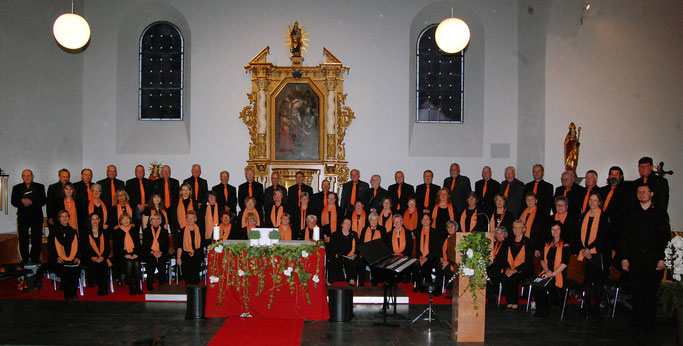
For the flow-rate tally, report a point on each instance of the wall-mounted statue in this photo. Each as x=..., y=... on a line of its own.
x=571, y=148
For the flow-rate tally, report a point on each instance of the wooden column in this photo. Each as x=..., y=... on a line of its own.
x=468, y=324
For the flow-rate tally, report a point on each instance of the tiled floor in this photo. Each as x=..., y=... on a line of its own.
x=91, y=323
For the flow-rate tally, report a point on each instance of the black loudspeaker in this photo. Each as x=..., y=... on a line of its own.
x=341, y=304
x=196, y=302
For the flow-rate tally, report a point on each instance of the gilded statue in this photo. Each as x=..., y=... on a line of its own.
x=295, y=39
x=154, y=169
x=571, y=148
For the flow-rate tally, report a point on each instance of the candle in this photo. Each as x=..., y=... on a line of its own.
x=216, y=232
x=316, y=233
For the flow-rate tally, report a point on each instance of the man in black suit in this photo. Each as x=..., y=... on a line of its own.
x=270, y=191
x=616, y=203
x=29, y=197
x=349, y=197
x=256, y=191
x=139, y=190
x=513, y=190
x=110, y=185
x=486, y=189
x=319, y=200
x=425, y=194
x=591, y=181
x=400, y=193
x=200, y=189
x=374, y=197
x=542, y=189
x=459, y=185
x=169, y=189
x=54, y=197
x=573, y=191
x=226, y=194
x=658, y=184
x=82, y=188
x=295, y=192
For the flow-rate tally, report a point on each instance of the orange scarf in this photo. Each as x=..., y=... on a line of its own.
x=98, y=250
x=558, y=260
x=593, y=230
x=371, y=235
x=307, y=232
x=182, y=222
x=60, y=249
x=155, y=237
x=154, y=212
x=128, y=245
x=388, y=223
x=463, y=220
x=225, y=231
x=285, y=232
x=561, y=218
x=329, y=217
x=276, y=215
x=73, y=217
x=358, y=221
x=493, y=222
x=187, y=239
x=496, y=248
x=424, y=241
x=91, y=209
x=210, y=220
x=302, y=221
x=528, y=218
x=517, y=260
x=435, y=212
x=244, y=217
x=398, y=244
x=119, y=210
x=410, y=219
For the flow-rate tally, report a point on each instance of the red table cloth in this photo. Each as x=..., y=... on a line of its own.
x=230, y=294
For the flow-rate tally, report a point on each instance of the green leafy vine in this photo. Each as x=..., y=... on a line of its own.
x=475, y=251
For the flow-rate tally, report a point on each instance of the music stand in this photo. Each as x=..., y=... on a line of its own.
x=374, y=252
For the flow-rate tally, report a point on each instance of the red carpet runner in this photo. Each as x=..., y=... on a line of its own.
x=261, y=331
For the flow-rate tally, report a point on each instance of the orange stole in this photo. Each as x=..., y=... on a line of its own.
x=463, y=220
x=210, y=220
x=398, y=243
x=496, y=247
x=225, y=231
x=593, y=231
x=329, y=217
x=60, y=249
x=155, y=236
x=493, y=222
x=285, y=232
x=528, y=218
x=119, y=211
x=517, y=260
x=128, y=244
x=435, y=212
x=388, y=223
x=410, y=219
x=561, y=218
x=424, y=241
x=70, y=206
x=91, y=209
x=182, y=222
x=559, y=280
x=370, y=234
x=187, y=239
x=358, y=221
x=244, y=217
x=276, y=215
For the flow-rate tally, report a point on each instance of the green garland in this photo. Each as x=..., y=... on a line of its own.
x=475, y=253
x=241, y=261
x=671, y=297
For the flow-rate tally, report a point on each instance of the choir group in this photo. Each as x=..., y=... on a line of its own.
x=623, y=224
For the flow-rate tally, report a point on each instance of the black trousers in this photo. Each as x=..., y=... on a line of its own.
x=593, y=281
x=544, y=296
x=442, y=276
x=644, y=285
x=68, y=275
x=192, y=266
x=511, y=287
x=98, y=273
x=423, y=273
x=495, y=278
x=337, y=267
x=131, y=271
x=159, y=264
x=30, y=229
x=361, y=263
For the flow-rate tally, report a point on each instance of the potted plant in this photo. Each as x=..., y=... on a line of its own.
x=475, y=252
x=254, y=237
x=671, y=292
x=274, y=237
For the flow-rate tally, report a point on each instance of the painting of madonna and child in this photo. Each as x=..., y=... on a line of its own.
x=297, y=123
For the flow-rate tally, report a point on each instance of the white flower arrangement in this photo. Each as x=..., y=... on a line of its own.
x=470, y=253
x=213, y=279
x=468, y=271
x=218, y=249
x=674, y=257
x=315, y=278
x=240, y=272
x=288, y=271
x=304, y=254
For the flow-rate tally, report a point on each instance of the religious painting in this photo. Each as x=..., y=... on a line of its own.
x=297, y=123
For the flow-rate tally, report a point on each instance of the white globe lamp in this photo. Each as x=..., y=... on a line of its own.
x=452, y=35
x=71, y=31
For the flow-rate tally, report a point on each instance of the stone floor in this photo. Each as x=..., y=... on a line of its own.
x=93, y=323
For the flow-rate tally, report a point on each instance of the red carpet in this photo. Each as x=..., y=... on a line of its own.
x=8, y=290
x=261, y=332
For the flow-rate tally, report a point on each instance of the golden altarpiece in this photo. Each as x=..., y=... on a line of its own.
x=296, y=118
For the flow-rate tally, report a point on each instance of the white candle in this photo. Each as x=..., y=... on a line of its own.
x=316, y=233
x=216, y=232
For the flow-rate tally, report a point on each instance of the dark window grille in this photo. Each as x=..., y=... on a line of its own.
x=440, y=82
x=160, y=74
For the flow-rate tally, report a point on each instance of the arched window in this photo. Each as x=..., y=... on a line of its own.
x=160, y=76
x=440, y=81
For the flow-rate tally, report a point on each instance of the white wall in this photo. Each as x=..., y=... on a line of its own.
x=618, y=76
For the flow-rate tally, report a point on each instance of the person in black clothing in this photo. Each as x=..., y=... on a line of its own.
x=300, y=214
x=200, y=188
x=353, y=190
x=250, y=188
x=169, y=190
x=513, y=190
x=68, y=257
x=470, y=219
x=428, y=243
x=573, y=191
x=155, y=251
x=659, y=185
x=270, y=191
x=400, y=192
x=399, y=240
x=127, y=252
x=293, y=196
x=542, y=189
x=459, y=186
x=515, y=260
x=500, y=215
x=189, y=252
x=592, y=237
x=646, y=233
x=569, y=223
x=139, y=190
x=319, y=200
x=84, y=195
x=29, y=198
x=616, y=197
x=486, y=189
x=425, y=194
x=494, y=271
x=54, y=197
x=95, y=254
x=110, y=185
x=554, y=262
x=374, y=197
x=226, y=194
x=536, y=224
x=591, y=182
x=341, y=254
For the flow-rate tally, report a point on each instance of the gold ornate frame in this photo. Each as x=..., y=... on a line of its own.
x=327, y=81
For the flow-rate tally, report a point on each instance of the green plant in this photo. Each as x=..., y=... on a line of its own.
x=475, y=253
x=254, y=235
x=670, y=296
x=275, y=235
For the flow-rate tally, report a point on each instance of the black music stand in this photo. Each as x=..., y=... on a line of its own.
x=374, y=252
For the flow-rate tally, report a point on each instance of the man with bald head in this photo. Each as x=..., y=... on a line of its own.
x=110, y=185
x=54, y=196
x=82, y=187
x=29, y=198
x=169, y=190
x=459, y=186
x=425, y=193
x=512, y=189
x=486, y=189
x=226, y=194
x=352, y=191
x=270, y=192
x=295, y=191
x=319, y=200
x=139, y=190
x=252, y=188
x=541, y=188
x=400, y=193
x=200, y=189
x=374, y=197
x=573, y=191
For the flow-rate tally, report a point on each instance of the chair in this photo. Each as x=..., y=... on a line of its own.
x=430, y=288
